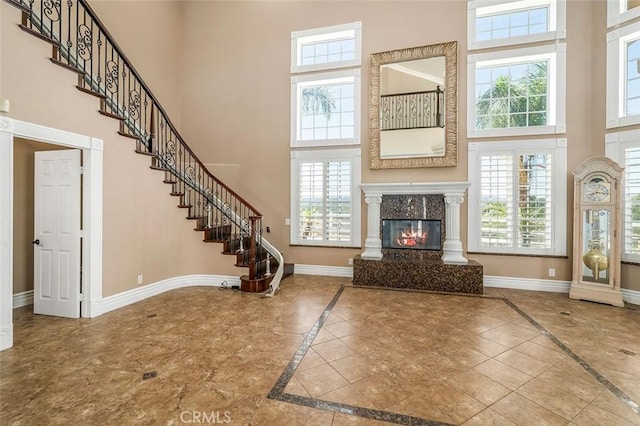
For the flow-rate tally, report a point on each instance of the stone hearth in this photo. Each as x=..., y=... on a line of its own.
x=432, y=275
x=436, y=270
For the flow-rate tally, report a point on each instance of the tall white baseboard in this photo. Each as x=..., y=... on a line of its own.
x=23, y=299
x=330, y=271
x=125, y=298
x=554, y=286
x=631, y=296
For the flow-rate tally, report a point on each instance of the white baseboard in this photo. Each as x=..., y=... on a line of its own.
x=23, y=299
x=330, y=271
x=125, y=298
x=631, y=296
x=516, y=283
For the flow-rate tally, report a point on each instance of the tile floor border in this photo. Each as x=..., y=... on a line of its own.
x=588, y=368
x=277, y=392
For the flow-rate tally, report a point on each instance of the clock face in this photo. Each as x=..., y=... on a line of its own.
x=597, y=190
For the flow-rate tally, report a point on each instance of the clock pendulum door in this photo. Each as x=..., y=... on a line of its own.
x=596, y=257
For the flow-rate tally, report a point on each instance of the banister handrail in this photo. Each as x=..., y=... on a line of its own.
x=92, y=14
x=82, y=44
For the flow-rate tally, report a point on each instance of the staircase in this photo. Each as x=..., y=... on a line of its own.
x=81, y=43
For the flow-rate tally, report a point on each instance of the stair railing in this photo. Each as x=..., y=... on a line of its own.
x=82, y=44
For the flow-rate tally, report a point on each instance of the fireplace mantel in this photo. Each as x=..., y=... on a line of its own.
x=453, y=196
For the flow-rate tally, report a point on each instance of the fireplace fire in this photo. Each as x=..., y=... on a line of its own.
x=416, y=234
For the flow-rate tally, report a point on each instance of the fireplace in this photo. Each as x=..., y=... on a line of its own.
x=413, y=239
x=411, y=234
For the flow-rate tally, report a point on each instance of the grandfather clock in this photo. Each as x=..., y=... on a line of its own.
x=596, y=231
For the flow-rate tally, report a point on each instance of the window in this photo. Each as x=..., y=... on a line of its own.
x=325, y=209
x=619, y=11
x=624, y=148
x=519, y=202
x=517, y=92
x=623, y=76
x=338, y=46
x=325, y=113
x=494, y=23
x=325, y=109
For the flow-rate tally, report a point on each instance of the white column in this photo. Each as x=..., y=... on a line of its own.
x=452, y=247
x=373, y=243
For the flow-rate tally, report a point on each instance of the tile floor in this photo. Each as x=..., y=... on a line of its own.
x=324, y=353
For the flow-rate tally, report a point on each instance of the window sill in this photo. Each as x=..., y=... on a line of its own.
x=550, y=256
x=325, y=246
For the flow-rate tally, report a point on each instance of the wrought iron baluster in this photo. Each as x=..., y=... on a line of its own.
x=99, y=44
x=69, y=42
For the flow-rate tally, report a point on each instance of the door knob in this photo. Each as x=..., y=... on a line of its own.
x=36, y=242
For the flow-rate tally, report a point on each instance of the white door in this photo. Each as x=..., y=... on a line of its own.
x=56, y=286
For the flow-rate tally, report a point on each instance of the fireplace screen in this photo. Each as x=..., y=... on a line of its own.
x=419, y=234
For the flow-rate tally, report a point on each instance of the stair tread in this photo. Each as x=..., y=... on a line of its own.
x=184, y=206
x=169, y=181
x=66, y=66
x=150, y=154
x=37, y=34
x=164, y=169
x=91, y=92
x=110, y=115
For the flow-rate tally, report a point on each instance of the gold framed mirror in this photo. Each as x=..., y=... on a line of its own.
x=413, y=105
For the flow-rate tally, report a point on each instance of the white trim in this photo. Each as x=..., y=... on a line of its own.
x=329, y=271
x=6, y=234
x=331, y=77
x=616, y=13
x=91, y=214
x=615, y=147
x=556, y=55
x=631, y=296
x=554, y=286
x=23, y=299
x=478, y=8
x=616, y=73
x=557, y=148
x=326, y=34
x=447, y=188
x=129, y=297
x=324, y=155
x=516, y=283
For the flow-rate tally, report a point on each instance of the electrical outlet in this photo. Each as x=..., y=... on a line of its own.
x=350, y=261
x=287, y=221
x=140, y=279
x=552, y=272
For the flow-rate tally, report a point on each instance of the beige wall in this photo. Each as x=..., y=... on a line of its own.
x=143, y=231
x=149, y=33
x=23, y=230
x=236, y=101
x=221, y=70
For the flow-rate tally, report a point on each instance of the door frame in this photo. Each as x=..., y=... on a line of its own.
x=92, y=156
